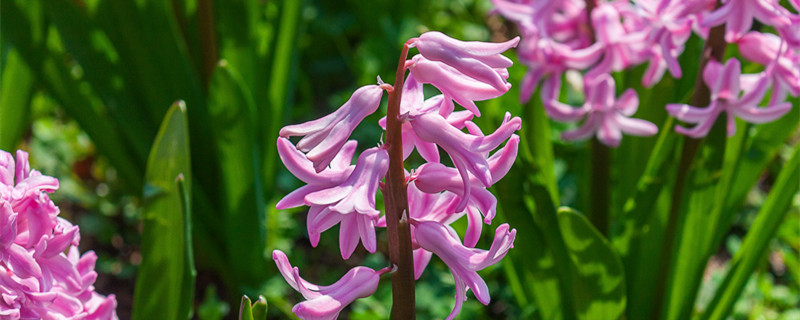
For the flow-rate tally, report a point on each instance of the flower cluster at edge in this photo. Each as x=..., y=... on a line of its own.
x=42, y=274
x=559, y=37
x=338, y=192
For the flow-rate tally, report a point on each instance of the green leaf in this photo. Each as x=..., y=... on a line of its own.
x=165, y=282
x=255, y=311
x=284, y=65
x=16, y=90
x=245, y=309
x=231, y=105
x=599, y=280
x=532, y=271
x=260, y=309
x=754, y=248
x=700, y=198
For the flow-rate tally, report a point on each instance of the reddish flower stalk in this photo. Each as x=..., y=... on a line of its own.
x=396, y=201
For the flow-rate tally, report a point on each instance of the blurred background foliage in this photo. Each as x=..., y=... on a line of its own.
x=87, y=83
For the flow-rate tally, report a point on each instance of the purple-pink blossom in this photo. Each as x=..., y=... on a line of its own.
x=322, y=138
x=38, y=280
x=608, y=117
x=326, y=302
x=464, y=262
x=482, y=61
x=782, y=64
x=354, y=201
x=725, y=83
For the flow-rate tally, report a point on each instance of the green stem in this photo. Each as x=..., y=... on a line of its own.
x=396, y=200
x=714, y=48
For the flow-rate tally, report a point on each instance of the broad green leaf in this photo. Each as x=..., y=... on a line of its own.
x=754, y=248
x=165, y=281
x=599, y=280
x=533, y=274
x=231, y=105
x=16, y=89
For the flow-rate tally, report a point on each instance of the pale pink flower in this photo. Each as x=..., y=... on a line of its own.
x=467, y=151
x=322, y=138
x=621, y=48
x=482, y=61
x=454, y=84
x=549, y=59
x=414, y=103
x=608, y=117
x=302, y=168
x=737, y=15
x=326, y=302
x=354, y=201
x=724, y=83
x=670, y=24
x=783, y=64
x=464, y=262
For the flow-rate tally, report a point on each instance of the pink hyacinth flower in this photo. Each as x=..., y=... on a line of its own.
x=413, y=103
x=319, y=218
x=621, y=48
x=467, y=151
x=454, y=84
x=783, y=65
x=550, y=59
x=436, y=177
x=324, y=137
x=464, y=262
x=326, y=302
x=670, y=24
x=609, y=117
x=479, y=60
x=37, y=279
x=737, y=15
x=354, y=201
x=725, y=85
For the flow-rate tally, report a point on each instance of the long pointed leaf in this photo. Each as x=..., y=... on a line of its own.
x=16, y=89
x=163, y=290
x=754, y=247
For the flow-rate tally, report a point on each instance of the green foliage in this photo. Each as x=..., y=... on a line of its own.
x=166, y=279
x=253, y=311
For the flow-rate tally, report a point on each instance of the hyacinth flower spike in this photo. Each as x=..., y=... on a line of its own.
x=479, y=60
x=724, y=84
x=464, y=262
x=326, y=302
x=322, y=138
x=354, y=201
x=609, y=117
